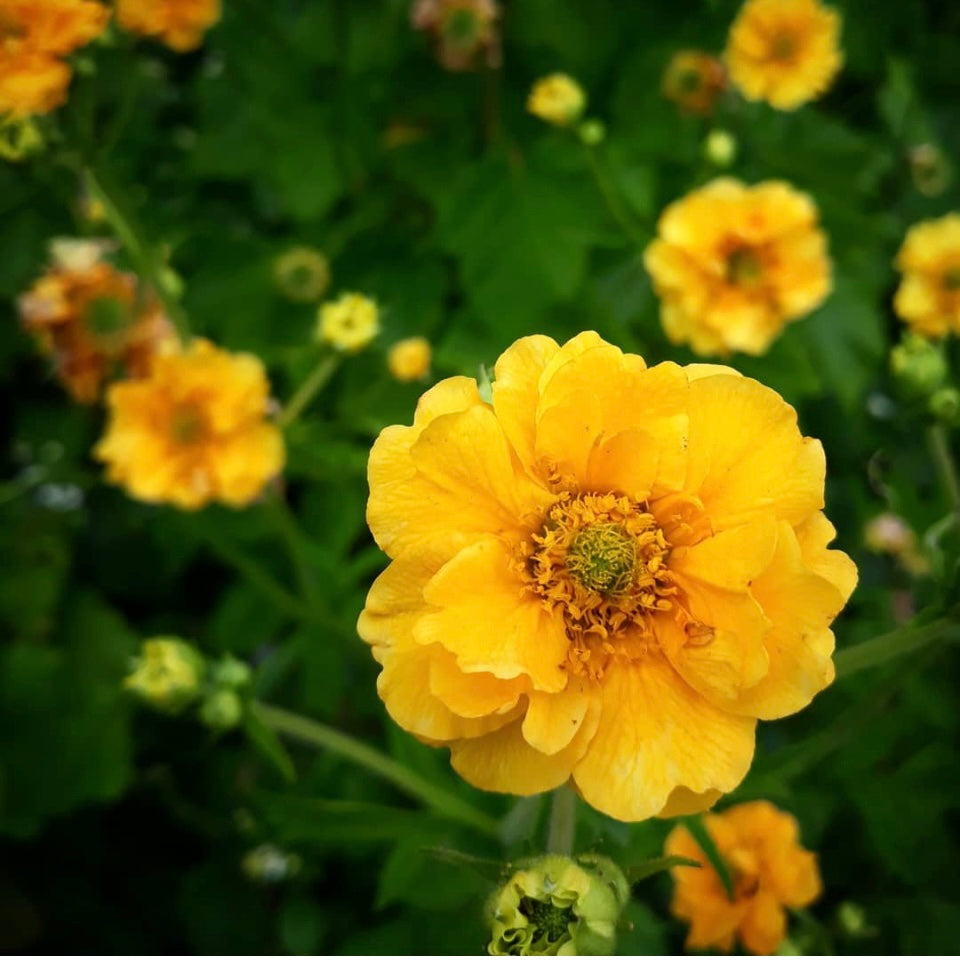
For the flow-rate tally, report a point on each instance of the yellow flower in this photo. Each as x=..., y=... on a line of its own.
x=92, y=319
x=302, y=274
x=733, y=263
x=167, y=674
x=558, y=99
x=180, y=24
x=928, y=298
x=608, y=573
x=35, y=37
x=785, y=52
x=694, y=80
x=194, y=431
x=769, y=869
x=349, y=323
x=409, y=359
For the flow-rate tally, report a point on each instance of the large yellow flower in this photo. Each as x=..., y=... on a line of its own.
x=770, y=871
x=35, y=36
x=194, y=431
x=733, y=263
x=785, y=52
x=608, y=573
x=180, y=24
x=928, y=298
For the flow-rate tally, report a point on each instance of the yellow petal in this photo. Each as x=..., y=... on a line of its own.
x=765, y=924
x=473, y=694
x=684, y=802
x=813, y=535
x=553, y=719
x=731, y=559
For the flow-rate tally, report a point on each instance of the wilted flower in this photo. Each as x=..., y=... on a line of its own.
x=93, y=320
x=608, y=573
x=36, y=36
x=464, y=32
x=557, y=99
x=785, y=52
x=694, y=80
x=180, y=24
x=558, y=906
x=194, y=431
x=890, y=534
x=409, y=359
x=768, y=867
x=167, y=674
x=302, y=274
x=349, y=323
x=928, y=298
x=732, y=264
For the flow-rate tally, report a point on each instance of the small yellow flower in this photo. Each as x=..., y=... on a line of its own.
x=694, y=80
x=194, y=431
x=928, y=298
x=409, y=359
x=35, y=38
x=180, y=24
x=770, y=871
x=605, y=572
x=302, y=274
x=349, y=323
x=557, y=99
x=732, y=264
x=784, y=52
x=167, y=674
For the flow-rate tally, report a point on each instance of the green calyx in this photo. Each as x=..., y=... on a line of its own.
x=602, y=557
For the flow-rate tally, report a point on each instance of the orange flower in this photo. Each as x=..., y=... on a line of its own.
x=732, y=264
x=194, y=431
x=464, y=32
x=770, y=871
x=180, y=24
x=928, y=298
x=785, y=52
x=409, y=359
x=35, y=36
x=607, y=573
x=694, y=80
x=92, y=319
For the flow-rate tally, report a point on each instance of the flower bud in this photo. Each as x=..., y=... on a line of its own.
x=918, y=364
x=720, y=148
x=556, y=905
x=167, y=674
x=852, y=920
x=930, y=169
x=221, y=710
x=409, y=359
x=349, y=323
x=269, y=864
x=558, y=99
x=302, y=274
x=230, y=672
x=945, y=405
x=592, y=132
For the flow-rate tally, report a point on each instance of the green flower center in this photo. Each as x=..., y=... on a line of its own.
x=689, y=81
x=743, y=267
x=551, y=923
x=106, y=317
x=951, y=279
x=603, y=558
x=461, y=27
x=784, y=46
x=187, y=424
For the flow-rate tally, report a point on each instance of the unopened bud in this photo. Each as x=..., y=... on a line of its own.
x=918, y=364
x=230, y=672
x=302, y=274
x=409, y=359
x=720, y=148
x=167, y=674
x=592, y=132
x=945, y=405
x=222, y=709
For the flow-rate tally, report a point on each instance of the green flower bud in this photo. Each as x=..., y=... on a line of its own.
x=302, y=274
x=230, y=672
x=167, y=674
x=592, y=132
x=20, y=138
x=558, y=906
x=720, y=148
x=221, y=710
x=945, y=405
x=918, y=364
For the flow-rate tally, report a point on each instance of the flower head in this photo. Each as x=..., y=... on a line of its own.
x=558, y=906
x=928, y=298
x=349, y=323
x=733, y=264
x=464, y=32
x=694, y=80
x=194, y=431
x=409, y=359
x=769, y=869
x=607, y=573
x=35, y=37
x=167, y=674
x=302, y=274
x=92, y=319
x=785, y=52
x=180, y=24
x=557, y=99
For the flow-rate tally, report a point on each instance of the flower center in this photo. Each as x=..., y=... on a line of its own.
x=602, y=557
x=461, y=27
x=187, y=425
x=106, y=317
x=551, y=923
x=743, y=267
x=784, y=46
x=951, y=279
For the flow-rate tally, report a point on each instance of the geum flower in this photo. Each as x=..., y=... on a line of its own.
x=928, y=298
x=608, y=574
x=180, y=24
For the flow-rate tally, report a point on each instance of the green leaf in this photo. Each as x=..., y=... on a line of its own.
x=268, y=745
x=699, y=833
x=649, y=868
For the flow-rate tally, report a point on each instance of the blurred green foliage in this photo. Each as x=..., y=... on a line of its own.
x=329, y=123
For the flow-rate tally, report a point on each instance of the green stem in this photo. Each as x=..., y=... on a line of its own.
x=310, y=387
x=145, y=261
x=326, y=738
x=292, y=538
x=939, y=440
x=563, y=822
x=889, y=646
x=611, y=197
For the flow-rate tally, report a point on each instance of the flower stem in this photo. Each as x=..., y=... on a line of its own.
x=907, y=639
x=611, y=197
x=326, y=738
x=145, y=260
x=939, y=441
x=310, y=387
x=291, y=535
x=563, y=822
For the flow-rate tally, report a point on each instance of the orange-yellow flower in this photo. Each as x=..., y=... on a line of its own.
x=180, y=24
x=35, y=36
x=694, y=80
x=732, y=264
x=928, y=298
x=93, y=320
x=607, y=573
x=770, y=871
x=785, y=52
x=194, y=431
x=409, y=359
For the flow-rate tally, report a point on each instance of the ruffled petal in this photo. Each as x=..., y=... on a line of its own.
x=553, y=719
x=764, y=925
x=473, y=694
